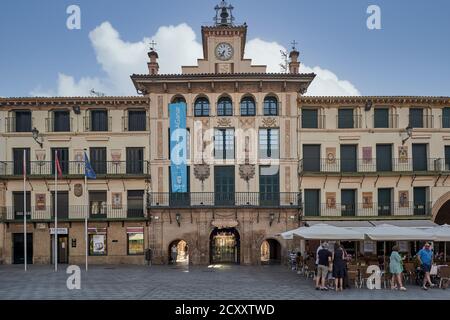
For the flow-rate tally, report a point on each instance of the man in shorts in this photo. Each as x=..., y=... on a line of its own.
x=425, y=256
x=323, y=261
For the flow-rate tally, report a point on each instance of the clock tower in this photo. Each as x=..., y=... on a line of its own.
x=224, y=46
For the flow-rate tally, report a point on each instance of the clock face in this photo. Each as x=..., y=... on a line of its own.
x=224, y=51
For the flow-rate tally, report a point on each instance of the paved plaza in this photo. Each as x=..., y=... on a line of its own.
x=171, y=282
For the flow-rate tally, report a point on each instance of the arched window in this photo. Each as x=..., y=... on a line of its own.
x=178, y=99
x=248, y=107
x=224, y=107
x=201, y=107
x=270, y=106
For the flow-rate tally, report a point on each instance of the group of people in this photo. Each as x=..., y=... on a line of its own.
x=330, y=265
x=333, y=265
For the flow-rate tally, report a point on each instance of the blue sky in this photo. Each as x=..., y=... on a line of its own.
x=408, y=56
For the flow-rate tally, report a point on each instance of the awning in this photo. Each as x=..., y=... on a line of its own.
x=440, y=233
x=322, y=231
x=407, y=223
x=389, y=232
x=344, y=223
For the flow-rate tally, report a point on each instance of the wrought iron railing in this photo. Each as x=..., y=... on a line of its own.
x=101, y=168
x=73, y=213
x=333, y=165
x=11, y=125
x=141, y=124
x=217, y=200
x=369, y=209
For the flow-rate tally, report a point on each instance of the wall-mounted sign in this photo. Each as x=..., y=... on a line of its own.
x=60, y=231
x=367, y=154
x=403, y=154
x=331, y=155
x=40, y=201
x=367, y=200
x=369, y=246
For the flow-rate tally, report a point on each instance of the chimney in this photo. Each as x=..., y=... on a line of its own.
x=153, y=66
x=294, y=64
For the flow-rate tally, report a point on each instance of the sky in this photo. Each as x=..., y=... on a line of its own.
x=40, y=56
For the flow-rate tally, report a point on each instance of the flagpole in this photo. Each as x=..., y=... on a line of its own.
x=25, y=208
x=86, y=210
x=55, y=247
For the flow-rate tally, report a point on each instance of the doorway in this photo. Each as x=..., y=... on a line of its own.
x=225, y=246
x=63, y=248
x=178, y=252
x=270, y=252
x=18, y=248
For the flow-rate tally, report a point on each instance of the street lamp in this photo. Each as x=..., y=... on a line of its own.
x=272, y=217
x=178, y=218
x=406, y=134
x=37, y=137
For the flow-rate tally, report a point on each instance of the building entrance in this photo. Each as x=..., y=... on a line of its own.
x=225, y=246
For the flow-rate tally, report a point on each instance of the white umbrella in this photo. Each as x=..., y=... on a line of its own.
x=322, y=231
x=440, y=233
x=387, y=232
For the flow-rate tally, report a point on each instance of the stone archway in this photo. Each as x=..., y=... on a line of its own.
x=270, y=252
x=441, y=209
x=178, y=252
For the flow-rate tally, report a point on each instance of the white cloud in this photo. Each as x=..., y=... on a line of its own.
x=176, y=46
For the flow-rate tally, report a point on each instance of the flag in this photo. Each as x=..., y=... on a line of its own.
x=58, y=166
x=88, y=171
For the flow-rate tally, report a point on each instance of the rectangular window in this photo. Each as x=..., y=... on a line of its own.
x=420, y=200
x=97, y=204
x=269, y=143
x=224, y=185
x=98, y=242
x=63, y=157
x=97, y=157
x=18, y=161
x=346, y=119
x=18, y=204
x=310, y=118
x=269, y=186
x=349, y=161
x=135, y=241
x=311, y=157
x=312, y=202
x=224, y=144
x=446, y=117
x=384, y=157
x=63, y=204
x=61, y=121
x=99, y=120
x=348, y=202
x=447, y=158
x=381, y=118
x=137, y=120
x=135, y=160
x=135, y=203
x=23, y=121
x=419, y=157
x=385, y=201
x=416, y=117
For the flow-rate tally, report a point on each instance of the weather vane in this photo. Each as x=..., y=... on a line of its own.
x=152, y=45
x=294, y=44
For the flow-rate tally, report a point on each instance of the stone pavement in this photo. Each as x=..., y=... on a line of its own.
x=171, y=282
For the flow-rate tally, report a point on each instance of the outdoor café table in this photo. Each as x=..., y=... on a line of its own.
x=435, y=269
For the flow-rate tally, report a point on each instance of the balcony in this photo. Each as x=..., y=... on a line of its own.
x=13, y=124
x=133, y=125
x=52, y=125
x=38, y=169
x=360, y=166
x=225, y=200
x=368, y=210
x=348, y=122
x=312, y=122
x=73, y=213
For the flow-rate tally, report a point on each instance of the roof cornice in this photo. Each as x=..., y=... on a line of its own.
x=68, y=101
x=374, y=99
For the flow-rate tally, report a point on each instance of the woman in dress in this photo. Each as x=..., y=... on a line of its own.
x=338, y=266
x=396, y=269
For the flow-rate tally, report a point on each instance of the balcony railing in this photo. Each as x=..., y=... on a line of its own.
x=425, y=121
x=352, y=122
x=52, y=125
x=101, y=127
x=73, y=213
x=314, y=165
x=11, y=125
x=142, y=124
x=391, y=121
x=225, y=200
x=312, y=122
x=371, y=209
x=69, y=168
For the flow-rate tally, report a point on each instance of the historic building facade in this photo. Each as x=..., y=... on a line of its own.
x=262, y=158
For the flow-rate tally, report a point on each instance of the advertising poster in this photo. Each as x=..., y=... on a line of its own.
x=99, y=246
x=178, y=147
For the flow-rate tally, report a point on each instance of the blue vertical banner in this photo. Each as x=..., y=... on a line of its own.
x=178, y=147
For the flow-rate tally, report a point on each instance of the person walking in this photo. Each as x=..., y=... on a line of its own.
x=338, y=267
x=396, y=269
x=425, y=257
x=323, y=260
